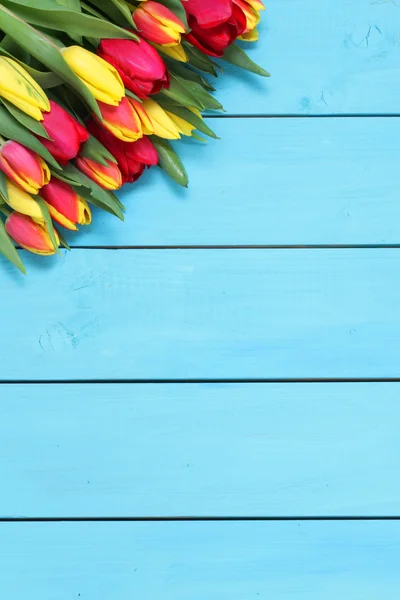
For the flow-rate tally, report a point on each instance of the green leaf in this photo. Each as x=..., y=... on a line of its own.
x=47, y=14
x=94, y=193
x=92, y=11
x=195, y=120
x=237, y=56
x=170, y=162
x=63, y=241
x=96, y=151
x=8, y=249
x=3, y=186
x=12, y=49
x=132, y=95
x=118, y=11
x=177, y=8
x=201, y=95
x=185, y=72
x=13, y=130
x=25, y=120
x=85, y=193
x=178, y=91
x=200, y=61
x=48, y=221
x=72, y=4
x=48, y=53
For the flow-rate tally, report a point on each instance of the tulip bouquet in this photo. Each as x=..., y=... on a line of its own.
x=91, y=93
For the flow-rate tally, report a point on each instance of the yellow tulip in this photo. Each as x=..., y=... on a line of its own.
x=22, y=202
x=162, y=124
x=177, y=52
x=19, y=88
x=183, y=126
x=102, y=79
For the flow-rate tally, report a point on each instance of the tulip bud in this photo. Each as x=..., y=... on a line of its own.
x=19, y=88
x=162, y=124
x=251, y=10
x=108, y=177
x=102, y=79
x=26, y=168
x=214, y=25
x=30, y=235
x=67, y=135
x=141, y=68
x=176, y=52
x=157, y=23
x=132, y=157
x=122, y=121
x=65, y=205
x=22, y=202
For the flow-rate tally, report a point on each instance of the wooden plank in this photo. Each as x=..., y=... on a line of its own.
x=215, y=560
x=299, y=181
x=325, y=57
x=199, y=314
x=187, y=449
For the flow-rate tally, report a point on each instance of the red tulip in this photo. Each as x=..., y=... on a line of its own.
x=132, y=157
x=214, y=24
x=157, y=23
x=26, y=168
x=140, y=66
x=30, y=235
x=67, y=135
x=106, y=176
x=65, y=205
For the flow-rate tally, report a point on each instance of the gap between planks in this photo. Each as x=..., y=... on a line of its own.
x=153, y=519
x=205, y=381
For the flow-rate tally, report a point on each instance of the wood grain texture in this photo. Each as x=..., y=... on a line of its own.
x=200, y=450
x=219, y=561
x=325, y=57
x=299, y=181
x=184, y=314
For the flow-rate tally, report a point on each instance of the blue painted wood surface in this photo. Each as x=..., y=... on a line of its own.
x=200, y=449
x=284, y=450
x=325, y=57
x=300, y=181
x=204, y=314
x=217, y=560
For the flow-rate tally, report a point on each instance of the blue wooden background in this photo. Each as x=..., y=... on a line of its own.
x=204, y=402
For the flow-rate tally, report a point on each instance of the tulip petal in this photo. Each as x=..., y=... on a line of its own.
x=22, y=202
x=17, y=86
x=102, y=79
x=209, y=13
x=162, y=124
x=122, y=121
x=153, y=31
x=108, y=177
x=164, y=15
x=32, y=236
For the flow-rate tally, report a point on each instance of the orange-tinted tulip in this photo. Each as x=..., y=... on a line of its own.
x=26, y=168
x=251, y=10
x=156, y=23
x=30, y=235
x=132, y=157
x=108, y=177
x=65, y=205
x=123, y=120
